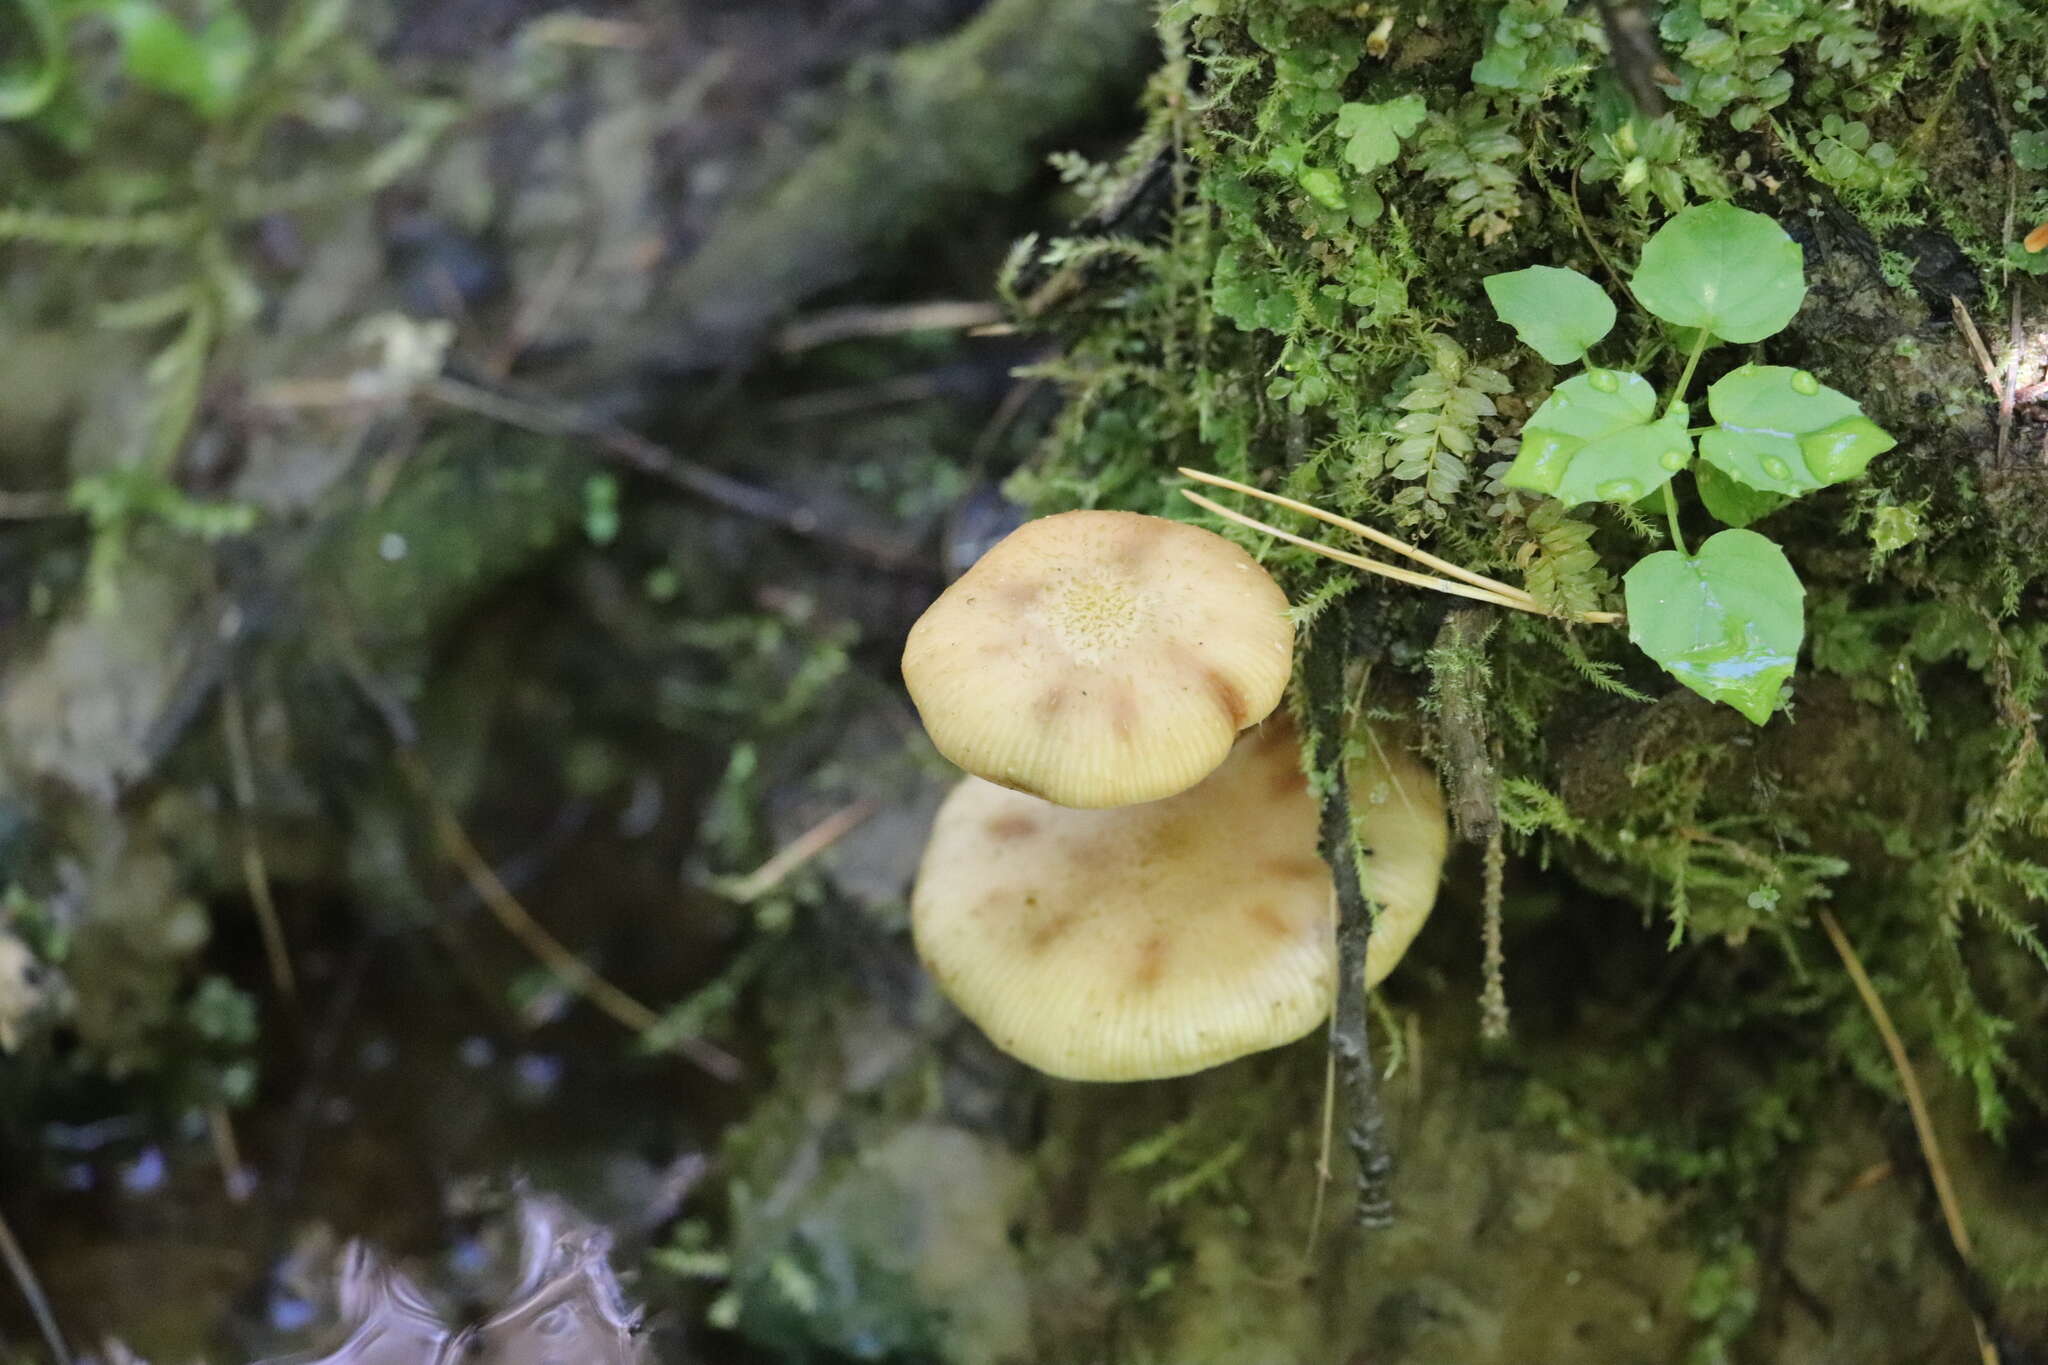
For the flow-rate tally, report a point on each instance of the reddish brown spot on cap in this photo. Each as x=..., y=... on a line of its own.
x=1151, y=961
x=1271, y=920
x=1292, y=869
x=1049, y=933
x=1123, y=711
x=1229, y=697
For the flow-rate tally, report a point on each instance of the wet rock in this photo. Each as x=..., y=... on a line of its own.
x=88, y=709
x=567, y=1308
x=904, y=1254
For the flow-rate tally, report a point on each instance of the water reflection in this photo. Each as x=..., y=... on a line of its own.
x=567, y=1308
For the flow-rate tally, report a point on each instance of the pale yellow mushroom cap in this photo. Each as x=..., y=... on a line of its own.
x=1164, y=938
x=1100, y=658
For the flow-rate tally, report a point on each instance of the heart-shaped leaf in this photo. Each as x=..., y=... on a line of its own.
x=1733, y=272
x=1557, y=313
x=1598, y=438
x=1726, y=622
x=1783, y=431
x=1373, y=132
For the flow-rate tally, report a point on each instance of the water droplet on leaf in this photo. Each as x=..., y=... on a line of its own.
x=1604, y=381
x=1620, y=490
x=1673, y=460
x=1776, y=467
x=1802, y=382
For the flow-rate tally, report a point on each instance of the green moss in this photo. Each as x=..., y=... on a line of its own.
x=1316, y=327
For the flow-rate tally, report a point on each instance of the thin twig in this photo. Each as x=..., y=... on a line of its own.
x=35, y=506
x=2010, y=391
x=1000, y=420
x=537, y=309
x=32, y=1291
x=517, y=921
x=1372, y=566
x=1968, y=326
x=1360, y=529
x=235, y=1177
x=1323, y=1170
x=801, y=850
x=848, y=324
x=827, y=404
x=1916, y=1105
x=1621, y=281
x=648, y=457
x=255, y=874
x=581, y=30
x=1385, y=570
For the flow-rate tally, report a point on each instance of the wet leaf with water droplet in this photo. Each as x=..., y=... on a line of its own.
x=1777, y=435
x=1731, y=501
x=1727, y=622
x=1844, y=449
x=1589, y=441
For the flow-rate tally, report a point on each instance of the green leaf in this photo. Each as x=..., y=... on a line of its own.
x=2030, y=150
x=1783, y=431
x=1733, y=272
x=1726, y=622
x=1557, y=313
x=1597, y=437
x=207, y=70
x=25, y=87
x=1323, y=187
x=1894, y=528
x=1249, y=295
x=1731, y=501
x=1373, y=132
x=1502, y=66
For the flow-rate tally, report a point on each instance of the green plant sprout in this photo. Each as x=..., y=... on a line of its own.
x=1728, y=621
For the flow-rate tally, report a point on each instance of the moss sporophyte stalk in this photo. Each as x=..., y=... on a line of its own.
x=1726, y=621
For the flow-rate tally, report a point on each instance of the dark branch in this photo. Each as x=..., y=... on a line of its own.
x=1365, y=1127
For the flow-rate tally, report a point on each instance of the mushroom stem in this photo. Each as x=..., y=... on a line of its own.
x=1475, y=586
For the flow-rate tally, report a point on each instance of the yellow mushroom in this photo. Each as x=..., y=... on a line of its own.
x=1100, y=658
x=1160, y=939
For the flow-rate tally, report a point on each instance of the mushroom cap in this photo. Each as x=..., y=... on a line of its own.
x=1161, y=939
x=1100, y=658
